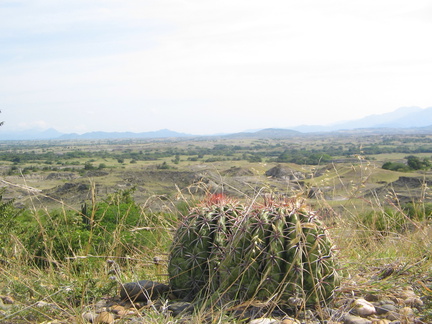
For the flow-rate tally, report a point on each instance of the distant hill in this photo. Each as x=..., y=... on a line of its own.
x=420, y=118
x=52, y=134
x=412, y=120
x=30, y=135
x=163, y=133
x=405, y=117
x=266, y=133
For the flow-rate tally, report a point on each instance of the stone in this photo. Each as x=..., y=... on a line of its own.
x=264, y=321
x=362, y=308
x=295, y=302
x=290, y=321
x=101, y=303
x=392, y=316
x=371, y=297
x=89, y=316
x=385, y=308
x=351, y=319
x=407, y=292
x=143, y=290
x=117, y=309
x=307, y=315
x=413, y=302
x=406, y=314
x=180, y=307
x=126, y=313
x=386, y=302
x=104, y=318
x=4, y=306
x=7, y=300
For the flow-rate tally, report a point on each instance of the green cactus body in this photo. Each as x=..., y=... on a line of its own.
x=229, y=268
x=263, y=252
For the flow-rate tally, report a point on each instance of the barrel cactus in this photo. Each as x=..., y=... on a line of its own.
x=236, y=252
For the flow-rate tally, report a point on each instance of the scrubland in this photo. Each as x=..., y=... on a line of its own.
x=81, y=218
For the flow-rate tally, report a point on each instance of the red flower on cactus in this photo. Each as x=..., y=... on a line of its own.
x=217, y=199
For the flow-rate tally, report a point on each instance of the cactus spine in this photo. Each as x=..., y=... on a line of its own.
x=239, y=253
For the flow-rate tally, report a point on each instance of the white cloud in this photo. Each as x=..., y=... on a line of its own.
x=37, y=124
x=212, y=66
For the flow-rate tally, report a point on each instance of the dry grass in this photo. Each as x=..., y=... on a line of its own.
x=374, y=259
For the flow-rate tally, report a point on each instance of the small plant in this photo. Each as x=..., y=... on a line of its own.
x=383, y=221
x=228, y=251
x=163, y=166
x=9, y=222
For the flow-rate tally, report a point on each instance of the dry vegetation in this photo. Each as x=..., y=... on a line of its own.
x=63, y=223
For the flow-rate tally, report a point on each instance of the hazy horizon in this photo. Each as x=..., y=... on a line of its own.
x=209, y=67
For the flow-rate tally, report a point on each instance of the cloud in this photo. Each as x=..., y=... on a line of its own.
x=211, y=66
x=37, y=124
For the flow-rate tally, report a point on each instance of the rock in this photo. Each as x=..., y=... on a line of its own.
x=387, y=302
x=413, y=302
x=89, y=316
x=3, y=305
x=385, y=308
x=295, y=302
x=101, y=303
x=362, y=308
x=406, y=314
x=7, y=300
x=142, y=290
x=407, y=292
x=290, y=321
x=351, y=319
x=264, y=321
x=42, y=304
x=371, y=298
x=117, y=308
x=126, y=312
x=281, y=172
x=307, y=316
x=392, y=316
x=180, y=307
x=104, y=318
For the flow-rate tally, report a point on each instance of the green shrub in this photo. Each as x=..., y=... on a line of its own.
x=396, y=166
x=115, y=227
x=418, y=211
x=9, y=222
x=384, y=221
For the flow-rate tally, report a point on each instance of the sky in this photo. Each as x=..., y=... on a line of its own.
x=208, y=67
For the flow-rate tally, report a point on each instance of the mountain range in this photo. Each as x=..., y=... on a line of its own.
x=404, y=117
x=403, y=120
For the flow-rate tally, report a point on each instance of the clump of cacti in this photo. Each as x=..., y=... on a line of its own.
x=236, y=252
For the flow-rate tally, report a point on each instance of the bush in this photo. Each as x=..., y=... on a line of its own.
x=415, y=163
x=9, y=222
x=384, y=221
x=115, y=227
x=418, y=211
x=396, y=166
